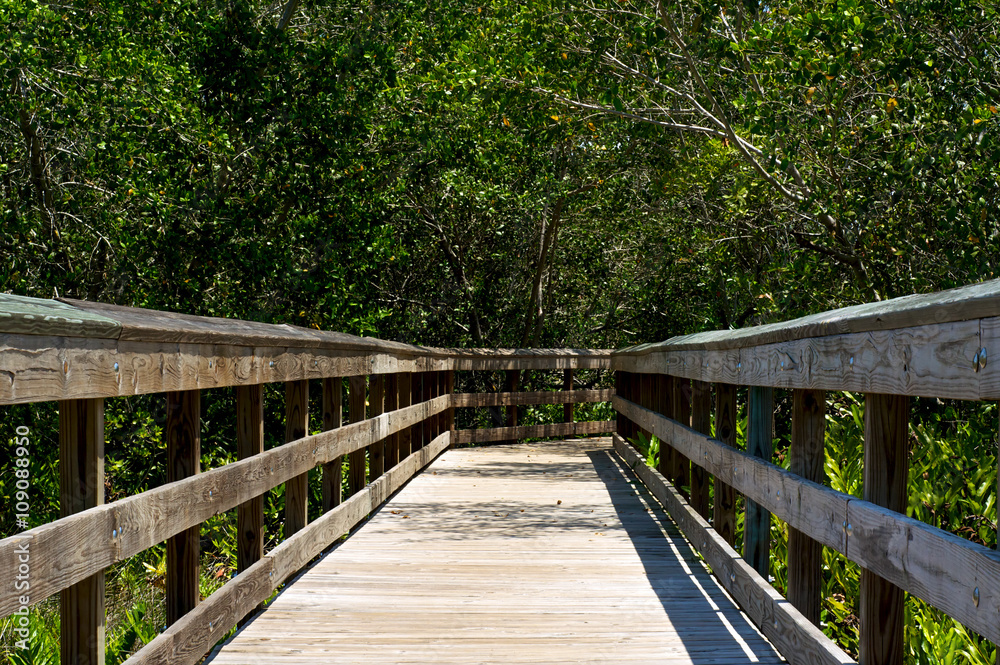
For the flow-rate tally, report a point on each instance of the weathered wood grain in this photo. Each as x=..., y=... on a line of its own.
x=806, y=456
x=40, y=368
x=183, y=435
x=148, y=325
x=933, y=360
x=81, y=487
x=333, y=416
x=533, y=431
x=665, y=406
x=249, y=442
x=724, y=508
x=795, y=637
x=35, y=316
x=391, y=401
x=567, y=389
x=357, y=461
x=880, y=638
x=418, y=396
x=701, y=421
x=965, y=303
x=187, y=641
x=570, y=397
x=296, y=427
x=73, y=548
x=757, y=521
x=522, y=359
x=929, y=563
x=816, y=510
x=603, y=578
x=512, y=386
x=376, y=406
x=635, y=390
x=405, y=398
x=680, y=395
x=988, y=363
x=449, y=384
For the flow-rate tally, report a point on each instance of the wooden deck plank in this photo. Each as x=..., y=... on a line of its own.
x=548, y=552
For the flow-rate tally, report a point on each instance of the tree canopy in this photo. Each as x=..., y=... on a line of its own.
x=547, y=173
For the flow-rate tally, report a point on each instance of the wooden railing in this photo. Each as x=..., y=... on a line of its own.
x=944, y=345
x=401, y=406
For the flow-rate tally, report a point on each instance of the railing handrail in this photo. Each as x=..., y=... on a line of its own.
x=937, y=345
x=964, y=303
x=933, y=345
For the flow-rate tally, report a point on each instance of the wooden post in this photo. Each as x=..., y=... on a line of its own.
x=81, y=486
x=431, y=392
x=449, y=383
x=418, y=397
x=664, y=406
x=376, y=407
x=356, y=413
x=724, y=510
x=681, y=412
x=885, y=484
x=645, y=396
x=426, y=392
x=405, y=397
x=701, y=421
x=333, y=416
x=635, y=395
x=568, y=385
x=183, y=434
x=296, y=427
x=806, y=456
x=621, y=422
x=513, y=386
x=249, y=442
x=391, y=448
x=757, y=523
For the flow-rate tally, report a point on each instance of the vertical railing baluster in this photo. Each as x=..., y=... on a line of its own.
x=249, y=442
x=757, y=523
x=568, y=407
x=183, y=434
x=333, y=416
x=356, y=413
x=512, y=386
x=645, y=397
x=391, y=447
x=81, y=486
x=664, y=406
x=376, y=407
x=296, y=427
x=806, y=457
x=885, y=484
x=405, y=399
x=701, y=421
x=449, y=382
x=681, y=412
x=621, y=422
x=724, y=509
x=418, y=397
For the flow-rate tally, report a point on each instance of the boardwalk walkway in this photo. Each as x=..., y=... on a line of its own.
x=534, y=553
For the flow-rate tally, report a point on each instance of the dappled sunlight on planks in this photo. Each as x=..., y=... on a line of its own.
x=548, y=552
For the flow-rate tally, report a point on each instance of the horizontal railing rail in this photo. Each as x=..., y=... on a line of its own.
x=938, y=345
x=401, y=406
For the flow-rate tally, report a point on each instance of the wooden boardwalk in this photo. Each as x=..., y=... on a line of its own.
x=533, y=553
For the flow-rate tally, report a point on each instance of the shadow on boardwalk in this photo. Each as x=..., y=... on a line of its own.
x=531, y=553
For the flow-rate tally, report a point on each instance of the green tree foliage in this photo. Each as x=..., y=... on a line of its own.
x=589, y=174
